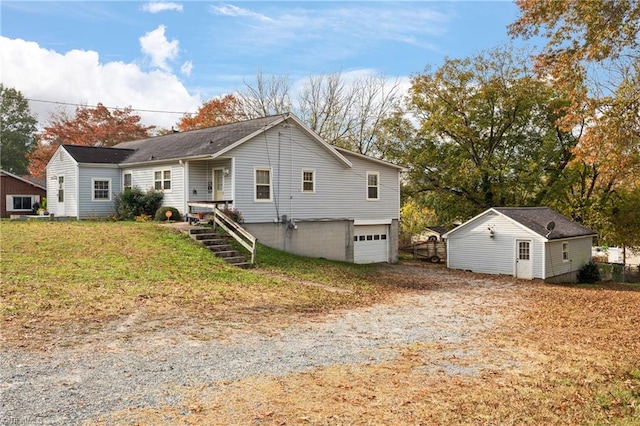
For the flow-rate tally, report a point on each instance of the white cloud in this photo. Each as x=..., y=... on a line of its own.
x=334, y=31
x=186, y=68
x=155, y=45
x=235, y=11
x=78, y=77
x=160, y=6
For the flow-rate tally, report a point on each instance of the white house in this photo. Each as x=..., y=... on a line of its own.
x=295, y=191
x=525, y=242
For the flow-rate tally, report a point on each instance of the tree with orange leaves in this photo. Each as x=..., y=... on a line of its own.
x=214, y=112
x=592, y=52
x=90, y=127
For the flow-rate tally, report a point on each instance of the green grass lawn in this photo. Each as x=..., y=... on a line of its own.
x=60, y=272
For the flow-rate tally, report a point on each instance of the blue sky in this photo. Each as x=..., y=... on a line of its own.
x=171, y=56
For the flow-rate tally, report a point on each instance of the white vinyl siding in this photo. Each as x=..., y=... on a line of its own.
x=143, y=177
x=63, y=165
x=339, y=194
x=579, y=253
x=472, y=248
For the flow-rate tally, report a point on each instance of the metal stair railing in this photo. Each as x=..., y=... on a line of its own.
x=244, y=238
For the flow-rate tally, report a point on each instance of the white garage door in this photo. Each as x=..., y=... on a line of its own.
x=371, y=243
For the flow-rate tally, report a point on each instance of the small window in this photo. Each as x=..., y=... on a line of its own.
x=162, y=180
x=523, y=250
x=383, y=237
x=373, y=186
x=61, y=188
x=101, y=189
x=376, y=237
x=21, y=202
x=355, y=238
x=565, y=252
x=263, y=184
x=361, y=238
x=369, y=237
x=308, y=181
x=126, y=181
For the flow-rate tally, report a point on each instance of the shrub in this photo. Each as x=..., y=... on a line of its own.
x=589, y=273
x=161, y=214
x=234, y=214
x=132, y=202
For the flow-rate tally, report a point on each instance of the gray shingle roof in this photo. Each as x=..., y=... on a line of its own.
x=537, y=218
x=193, y=143
x=98, y=155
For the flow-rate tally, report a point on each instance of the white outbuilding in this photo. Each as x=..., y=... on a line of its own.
x=525, y=242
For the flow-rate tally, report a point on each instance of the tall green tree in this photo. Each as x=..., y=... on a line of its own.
x=17, y=131
x=592, y=52
x=487, y=135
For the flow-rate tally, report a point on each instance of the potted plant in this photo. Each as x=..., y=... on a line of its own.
x=42, y=210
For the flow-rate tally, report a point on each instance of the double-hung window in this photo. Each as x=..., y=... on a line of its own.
x=263, y=184
x=308, y=181
x=162, y=180
x=126, y=181
x=373, y=186
x=565, y=251
x=101, y=189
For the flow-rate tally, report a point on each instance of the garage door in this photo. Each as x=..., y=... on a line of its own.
x=370, y=243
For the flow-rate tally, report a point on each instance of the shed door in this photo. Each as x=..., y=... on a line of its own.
x=524, y=265
x=371, y=243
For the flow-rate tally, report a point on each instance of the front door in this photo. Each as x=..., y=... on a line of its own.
x=218, y=184
x=524, y=266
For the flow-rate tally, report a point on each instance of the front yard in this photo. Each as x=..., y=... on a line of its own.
x=111, y=323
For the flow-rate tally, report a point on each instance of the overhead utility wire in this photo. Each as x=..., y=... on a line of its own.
x=107, y=107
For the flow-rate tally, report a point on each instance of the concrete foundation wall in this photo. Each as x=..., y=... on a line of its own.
x=329, y=239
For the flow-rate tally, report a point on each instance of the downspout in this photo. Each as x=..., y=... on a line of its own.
x=185, y=184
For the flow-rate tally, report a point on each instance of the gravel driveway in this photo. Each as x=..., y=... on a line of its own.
x=68, y=385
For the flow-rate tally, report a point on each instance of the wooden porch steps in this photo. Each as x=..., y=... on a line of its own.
x=219, y=246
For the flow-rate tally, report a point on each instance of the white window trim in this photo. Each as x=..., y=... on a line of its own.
x=162, y=180
x=93, y=189
x=255, y=185
x=565, y=243
x=34, y=199
x=377, y=186
x=313, y=181
x=127, y=172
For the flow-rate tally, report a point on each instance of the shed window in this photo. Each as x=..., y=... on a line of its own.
x=61, y=188
x=162, y=180
x=565, y=251
x=101, y=189
x=373, y=185
x=263, y=184
x=523, y=250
